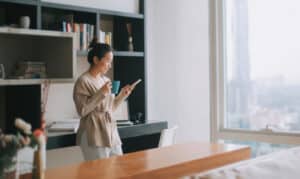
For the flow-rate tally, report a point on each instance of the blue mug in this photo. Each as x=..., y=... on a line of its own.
x=115, y=87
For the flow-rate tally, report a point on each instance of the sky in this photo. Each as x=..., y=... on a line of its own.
x=274, y=39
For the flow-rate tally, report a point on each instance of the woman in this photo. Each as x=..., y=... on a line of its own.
x=98, y=134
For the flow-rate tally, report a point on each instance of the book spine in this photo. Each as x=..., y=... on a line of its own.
x=64, y=26
x=81, y=37
x=84, y=36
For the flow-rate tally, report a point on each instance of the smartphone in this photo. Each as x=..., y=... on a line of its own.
x=135, y=83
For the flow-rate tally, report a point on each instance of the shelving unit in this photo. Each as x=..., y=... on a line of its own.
x=56, y=49
x=128, y=65
x=22, y=97
x=10, y=13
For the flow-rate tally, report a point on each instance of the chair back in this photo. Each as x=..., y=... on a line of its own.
x=167, y=137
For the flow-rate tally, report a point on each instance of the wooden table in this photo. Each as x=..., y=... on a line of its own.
x=169, y=162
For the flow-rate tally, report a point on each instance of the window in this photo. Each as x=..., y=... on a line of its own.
x=256, y=70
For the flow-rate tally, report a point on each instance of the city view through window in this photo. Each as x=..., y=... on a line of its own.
x=262, y=64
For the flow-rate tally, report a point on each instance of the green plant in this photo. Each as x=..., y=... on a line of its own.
x=10, y=144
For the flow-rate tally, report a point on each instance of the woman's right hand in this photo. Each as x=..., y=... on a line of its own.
x=106, y=88
x=126, y=91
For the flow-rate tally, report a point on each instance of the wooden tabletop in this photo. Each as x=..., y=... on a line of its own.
x=169, y=162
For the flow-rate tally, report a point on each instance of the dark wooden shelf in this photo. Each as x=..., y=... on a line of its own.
x=82, y=52
x=91, y=10
x=28, y=2
x=116, y=53
x=128, y=54
x=15, y=82
x=68, y=7
x=121, y=14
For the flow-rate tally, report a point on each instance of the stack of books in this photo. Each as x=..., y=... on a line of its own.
x=124, y=123
x=105, y=37
x=84, y=33
x=30, y=70
x=64, y=126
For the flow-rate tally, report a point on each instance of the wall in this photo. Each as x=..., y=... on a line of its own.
x=178, y=66
x=63, y=92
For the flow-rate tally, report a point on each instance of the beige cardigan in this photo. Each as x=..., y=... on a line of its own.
x=96, y=110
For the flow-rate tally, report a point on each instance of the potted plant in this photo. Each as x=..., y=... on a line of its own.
x=10, y=144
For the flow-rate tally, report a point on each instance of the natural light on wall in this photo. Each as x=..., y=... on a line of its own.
x=258, y=90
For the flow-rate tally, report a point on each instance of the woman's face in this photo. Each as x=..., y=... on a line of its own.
x=104, y=64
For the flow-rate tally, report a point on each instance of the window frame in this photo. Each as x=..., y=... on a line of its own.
x=217, y=90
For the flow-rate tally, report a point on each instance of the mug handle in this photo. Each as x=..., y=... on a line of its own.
x=2, y=71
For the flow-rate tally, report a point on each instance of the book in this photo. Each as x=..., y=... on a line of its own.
x=69, y=27
x=64, y=26
x=124, y=123
x=64, y=126
x=83, y=37
x=108, y=38
x=30, y=69
x=101, y=36
x=76, y=29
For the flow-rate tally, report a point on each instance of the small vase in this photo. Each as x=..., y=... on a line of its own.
x=25, y=22
x=38, y=168
x=130, y=44
x=2, y=72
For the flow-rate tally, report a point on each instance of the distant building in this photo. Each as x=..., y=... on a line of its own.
x=239, y=88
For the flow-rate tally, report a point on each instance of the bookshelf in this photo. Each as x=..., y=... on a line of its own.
x=129, y=65
x=10, y=13
x=55, y=49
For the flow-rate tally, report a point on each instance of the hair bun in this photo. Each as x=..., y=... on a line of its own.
x=93, y=43
x=97, y=49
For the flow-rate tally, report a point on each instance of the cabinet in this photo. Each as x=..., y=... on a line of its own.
x=45, y=17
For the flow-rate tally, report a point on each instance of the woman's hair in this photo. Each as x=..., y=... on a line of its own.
x=97, y=49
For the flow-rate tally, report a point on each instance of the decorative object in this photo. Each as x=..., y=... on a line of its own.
x=2, y=71
x=30, y=70
x=108, y=38
x=39, y=158
x=11, y=144
x=45, y=94
x=130, y=38
x=25, y=22
x=137, y=118
x=68, y=125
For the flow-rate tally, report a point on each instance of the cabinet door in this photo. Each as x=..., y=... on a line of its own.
x=23, y=102
x=128, y=70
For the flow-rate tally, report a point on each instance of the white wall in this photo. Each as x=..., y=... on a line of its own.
x=178, y=66
x=60, y=104
x=118, y=5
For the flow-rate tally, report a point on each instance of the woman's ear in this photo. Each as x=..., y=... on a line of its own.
x=95, y=60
